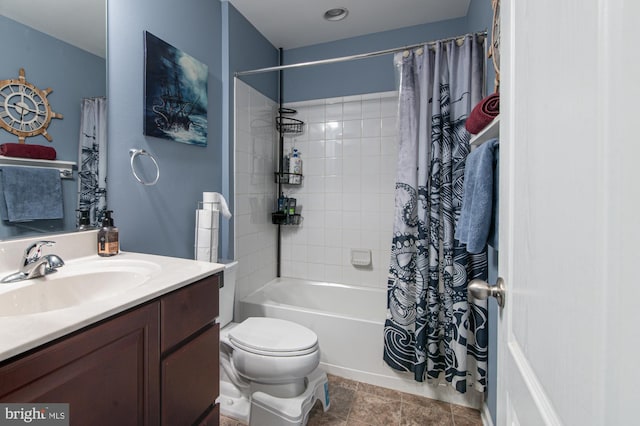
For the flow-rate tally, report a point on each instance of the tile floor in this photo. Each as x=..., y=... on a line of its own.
x=360, y=404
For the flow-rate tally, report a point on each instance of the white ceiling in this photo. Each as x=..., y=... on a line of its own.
x=285, y=23
x=295, y=23
x=82, y=23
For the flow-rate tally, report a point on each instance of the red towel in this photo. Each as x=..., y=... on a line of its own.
x=483, y=113
x=21, y=150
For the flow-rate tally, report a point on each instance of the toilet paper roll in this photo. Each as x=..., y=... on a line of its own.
x=215, y=201
x=214, y=244
x=207, y=219
x=204, y=237
x=204, y=254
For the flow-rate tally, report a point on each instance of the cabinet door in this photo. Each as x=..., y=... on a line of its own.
x=107, y=373
x=187, y=310
x=190, y=379
x=212, y=418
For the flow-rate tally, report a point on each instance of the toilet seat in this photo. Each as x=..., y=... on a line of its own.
x=273, y=337
x=272, y=351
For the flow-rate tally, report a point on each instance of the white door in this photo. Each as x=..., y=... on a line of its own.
x=569, y=350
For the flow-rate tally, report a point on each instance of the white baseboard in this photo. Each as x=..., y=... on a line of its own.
x=485, y=415
x=403, y=383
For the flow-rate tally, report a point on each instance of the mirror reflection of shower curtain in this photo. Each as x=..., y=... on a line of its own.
x=92, y=158
x=432, y=330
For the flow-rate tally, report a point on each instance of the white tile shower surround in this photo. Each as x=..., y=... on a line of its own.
x=255, y=163
x=349, y=152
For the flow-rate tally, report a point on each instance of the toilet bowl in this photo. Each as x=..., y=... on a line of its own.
x=275, y=359
x=271, y=355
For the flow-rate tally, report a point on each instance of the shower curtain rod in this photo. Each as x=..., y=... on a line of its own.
x=352, y=57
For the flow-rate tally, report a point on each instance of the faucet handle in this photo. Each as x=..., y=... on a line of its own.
x=32, y=253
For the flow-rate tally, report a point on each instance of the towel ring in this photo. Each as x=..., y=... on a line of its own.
x=134, y=152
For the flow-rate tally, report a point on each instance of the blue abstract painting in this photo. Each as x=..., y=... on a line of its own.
x=176, y=99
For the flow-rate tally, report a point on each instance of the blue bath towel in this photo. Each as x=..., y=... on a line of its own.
x=479, y=207
x=31, y=193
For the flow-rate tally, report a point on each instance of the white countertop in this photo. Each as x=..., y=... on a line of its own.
x=20, y=333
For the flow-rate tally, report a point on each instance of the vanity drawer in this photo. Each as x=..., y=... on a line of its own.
x=187, y=310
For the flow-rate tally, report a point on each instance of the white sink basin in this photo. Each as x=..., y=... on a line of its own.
x=75, y=283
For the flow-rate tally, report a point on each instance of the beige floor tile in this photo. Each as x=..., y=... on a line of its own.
x=354, y=422
x=326, y=419
x=341, y=381
x=226, y=421
x=380, y=391
x=465, y=421
x=341, y=400
x=465, y=416
x=428, y=413
x=375, y=410
x=410, y=398
x=360, y=404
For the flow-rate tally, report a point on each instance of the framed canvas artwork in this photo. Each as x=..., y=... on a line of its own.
x=175, y=93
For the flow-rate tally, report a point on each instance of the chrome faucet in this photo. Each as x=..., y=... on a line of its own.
x=34, y=265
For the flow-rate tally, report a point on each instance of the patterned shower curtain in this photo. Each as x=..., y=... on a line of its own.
x=92, y=159
x=432, y=329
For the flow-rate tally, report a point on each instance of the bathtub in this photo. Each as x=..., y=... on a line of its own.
x=349, y=321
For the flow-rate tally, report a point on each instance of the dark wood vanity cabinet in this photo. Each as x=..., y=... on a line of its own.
x=190, y=352
x=105, y=373
x=154, y=364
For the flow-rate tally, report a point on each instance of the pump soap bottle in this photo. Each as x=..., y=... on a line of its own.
x=84, y=222
x=108, y=244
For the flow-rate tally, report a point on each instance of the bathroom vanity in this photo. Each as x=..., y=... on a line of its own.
x=146, y=355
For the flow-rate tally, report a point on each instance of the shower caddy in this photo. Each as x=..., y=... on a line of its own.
x=285, y=124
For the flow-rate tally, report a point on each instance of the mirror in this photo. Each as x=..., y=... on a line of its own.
x=60, y=45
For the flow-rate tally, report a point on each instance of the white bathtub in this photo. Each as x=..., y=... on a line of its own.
x=349, y=322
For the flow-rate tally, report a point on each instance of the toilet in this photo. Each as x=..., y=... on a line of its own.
x=269, y=374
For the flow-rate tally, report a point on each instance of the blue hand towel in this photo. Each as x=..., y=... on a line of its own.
x=31, y=193
x=477, y=212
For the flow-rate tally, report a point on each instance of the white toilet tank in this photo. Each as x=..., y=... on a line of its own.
x=227, y=292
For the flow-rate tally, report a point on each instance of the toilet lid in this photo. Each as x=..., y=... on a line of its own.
x=273, y=337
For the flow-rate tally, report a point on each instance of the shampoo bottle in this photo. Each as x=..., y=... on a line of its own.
x=108, y=244
x=286, y=161
x=295, y=168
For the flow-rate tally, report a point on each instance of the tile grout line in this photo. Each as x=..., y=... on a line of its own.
x=355, y=394
x=453, y=418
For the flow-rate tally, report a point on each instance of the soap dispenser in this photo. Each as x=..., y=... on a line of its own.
x=108, y=244
x=84, y=222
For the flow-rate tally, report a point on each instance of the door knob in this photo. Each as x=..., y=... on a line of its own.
x=481, y=289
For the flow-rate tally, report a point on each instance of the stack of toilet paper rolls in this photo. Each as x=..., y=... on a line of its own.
x=207, y=220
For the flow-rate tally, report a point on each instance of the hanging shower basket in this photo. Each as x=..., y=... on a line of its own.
x=287, y=124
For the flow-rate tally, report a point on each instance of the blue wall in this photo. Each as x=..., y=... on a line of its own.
x=73, y=74
x=160, y=219
x=246, y=49
x=361, y=76
x=480, y=16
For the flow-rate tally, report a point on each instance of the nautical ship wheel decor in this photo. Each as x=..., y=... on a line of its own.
x=24, y=109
